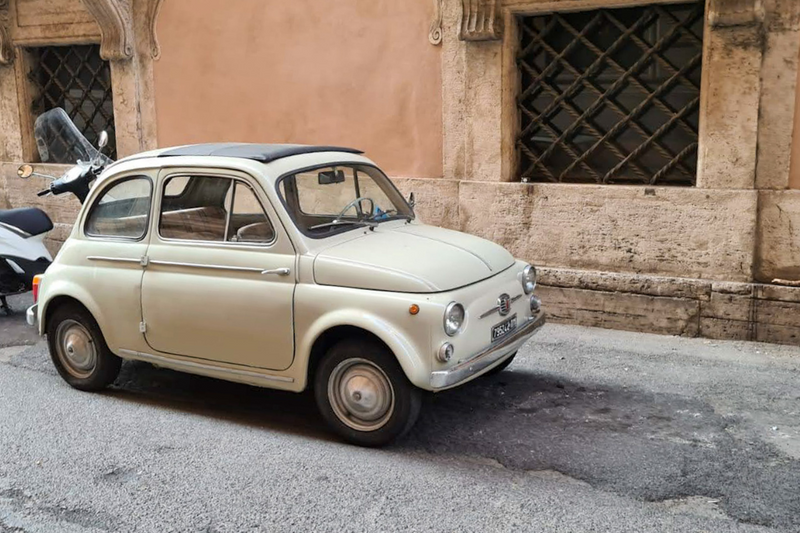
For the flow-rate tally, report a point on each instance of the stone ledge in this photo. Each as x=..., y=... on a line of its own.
x=674, y=306
x=627, y=311
x=629, y=283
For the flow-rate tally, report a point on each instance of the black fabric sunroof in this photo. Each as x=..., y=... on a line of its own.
x=264, y=153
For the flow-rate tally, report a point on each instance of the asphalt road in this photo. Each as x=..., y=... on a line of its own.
x=588, y=430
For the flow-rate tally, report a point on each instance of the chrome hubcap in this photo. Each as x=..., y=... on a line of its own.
x=361, y=395
x=75, y=349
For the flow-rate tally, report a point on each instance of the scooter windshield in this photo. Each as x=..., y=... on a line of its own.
x=60, y=141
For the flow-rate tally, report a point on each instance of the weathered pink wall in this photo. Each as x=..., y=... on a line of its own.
x=794, y=172
x=357, y=73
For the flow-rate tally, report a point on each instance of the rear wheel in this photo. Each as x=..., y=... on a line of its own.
x=363, y=394
x=78, y=349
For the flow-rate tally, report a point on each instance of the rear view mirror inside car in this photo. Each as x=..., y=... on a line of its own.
x=331, y=176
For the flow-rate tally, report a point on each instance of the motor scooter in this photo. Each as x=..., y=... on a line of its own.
x=23, y=254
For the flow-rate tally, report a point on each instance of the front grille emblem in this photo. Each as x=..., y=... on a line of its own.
x=504, y=304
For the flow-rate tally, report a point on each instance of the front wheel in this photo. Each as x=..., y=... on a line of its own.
x=364, y=395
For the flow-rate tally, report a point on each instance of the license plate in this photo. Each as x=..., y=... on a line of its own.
x=504, y=328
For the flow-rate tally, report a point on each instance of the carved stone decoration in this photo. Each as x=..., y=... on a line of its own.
x=435, y=35
x=481, y=20
x=6, y=50
x=153, y=8
x=728, y=13
x=116, y=32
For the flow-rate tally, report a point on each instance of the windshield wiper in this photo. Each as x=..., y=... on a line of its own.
x=388, y=218
x=339, y=223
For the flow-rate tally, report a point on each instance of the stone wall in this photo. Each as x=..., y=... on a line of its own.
x=660, y=231
x=647, y=241
x=16, y=192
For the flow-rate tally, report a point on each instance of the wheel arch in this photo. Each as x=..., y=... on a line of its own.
x=60, y=294
x=326, y=332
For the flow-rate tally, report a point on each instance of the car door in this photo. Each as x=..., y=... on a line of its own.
x=106, y=255
x=220, y=277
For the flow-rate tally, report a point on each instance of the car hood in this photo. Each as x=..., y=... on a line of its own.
x=410, y=258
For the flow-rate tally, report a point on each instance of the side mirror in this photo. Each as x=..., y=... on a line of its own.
x=331, y=176
x=411, y=200
x=102, y=141
x=25, y=171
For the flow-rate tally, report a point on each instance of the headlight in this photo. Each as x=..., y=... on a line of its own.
x=528, y=279
x=453, y=318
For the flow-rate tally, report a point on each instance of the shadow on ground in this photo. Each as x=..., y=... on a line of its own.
x=652, y=447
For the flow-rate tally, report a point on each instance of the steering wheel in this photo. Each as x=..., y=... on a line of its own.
x=352, y=204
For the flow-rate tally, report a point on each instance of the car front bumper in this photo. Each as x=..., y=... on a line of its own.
x=32, y=314
x=482, y=361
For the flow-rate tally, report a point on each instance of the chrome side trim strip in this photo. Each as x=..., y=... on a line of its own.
x=113, y=259
x=200, y=368
x=206, y=266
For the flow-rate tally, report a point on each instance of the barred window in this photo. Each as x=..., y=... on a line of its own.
x=76, y=79
x=611, y=95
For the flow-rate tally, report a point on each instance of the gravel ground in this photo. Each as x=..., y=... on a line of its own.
x=588, y=430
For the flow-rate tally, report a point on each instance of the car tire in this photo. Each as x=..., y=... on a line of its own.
x=78, y=349
x=363, y=394
x=502, y=366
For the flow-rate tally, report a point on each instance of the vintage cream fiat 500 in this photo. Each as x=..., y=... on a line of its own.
x=281, y=266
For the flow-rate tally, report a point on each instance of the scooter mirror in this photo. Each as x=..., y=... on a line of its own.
x=103, y=140
x=25, y=171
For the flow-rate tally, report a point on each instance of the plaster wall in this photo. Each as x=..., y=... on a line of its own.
x=357, y=73
x=794, y=175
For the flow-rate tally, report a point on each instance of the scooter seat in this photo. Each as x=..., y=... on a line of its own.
x=31, y=220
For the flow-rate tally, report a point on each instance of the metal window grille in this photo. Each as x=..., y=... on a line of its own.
x=78, y=80
x=611, y=95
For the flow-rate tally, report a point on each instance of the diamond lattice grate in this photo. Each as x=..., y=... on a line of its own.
x=611, y=96
x=78, y=80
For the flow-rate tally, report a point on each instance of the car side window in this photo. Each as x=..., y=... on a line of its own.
x=212, y=209
x=122, y=210
x=248, y=222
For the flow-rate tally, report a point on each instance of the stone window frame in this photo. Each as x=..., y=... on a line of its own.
x=126, y=34
x=23, y=64
x=479, y=42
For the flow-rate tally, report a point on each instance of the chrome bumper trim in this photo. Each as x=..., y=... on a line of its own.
x=32, y=314
x=443, y=379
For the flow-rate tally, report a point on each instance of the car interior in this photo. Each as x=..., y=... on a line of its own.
x=205, y=208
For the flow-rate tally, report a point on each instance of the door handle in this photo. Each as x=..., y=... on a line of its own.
x=278, y=271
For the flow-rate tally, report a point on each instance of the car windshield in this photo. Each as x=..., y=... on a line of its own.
x=337, y=198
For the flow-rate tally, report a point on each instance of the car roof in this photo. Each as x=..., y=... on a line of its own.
x=283, y=158
x=263, y=153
